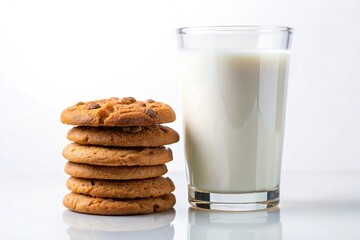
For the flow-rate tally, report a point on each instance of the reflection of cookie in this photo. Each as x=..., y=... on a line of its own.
x=118, y=112
x=152, y=187
x=118, y=225
x=111, y=156
x=166, y=233
x=114, y=173
x=106, y=206
x=151, y=136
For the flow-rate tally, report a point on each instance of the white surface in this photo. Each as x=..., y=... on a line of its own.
x=57, y=53
x=326, y=206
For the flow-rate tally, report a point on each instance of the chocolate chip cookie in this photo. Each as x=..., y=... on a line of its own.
x=116, y=156
x=114, y=173
x=151, y=187
x=118, y=112
x=150, y=136
x=107, y=206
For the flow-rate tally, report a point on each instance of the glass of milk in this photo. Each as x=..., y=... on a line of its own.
x=234, y=99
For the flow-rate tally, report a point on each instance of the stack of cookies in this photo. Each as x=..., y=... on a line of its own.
x=117, y=157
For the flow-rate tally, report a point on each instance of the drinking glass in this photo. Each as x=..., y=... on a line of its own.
x=234, y=82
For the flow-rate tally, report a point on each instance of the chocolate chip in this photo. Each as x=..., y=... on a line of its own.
x=151, y=113
x=156, y=207
x=150, y=101
x=79, y=103
x=128, y=100
x=93, y=105
x=134, y=129
x=142, y=104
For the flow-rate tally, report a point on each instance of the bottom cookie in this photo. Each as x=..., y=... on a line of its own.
x=107, y=206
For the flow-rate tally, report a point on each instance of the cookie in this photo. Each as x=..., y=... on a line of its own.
x=114, y=173
x=152, y=187
x=118, y=112
x=107, y=206
x=111, y=156
x=151, y=136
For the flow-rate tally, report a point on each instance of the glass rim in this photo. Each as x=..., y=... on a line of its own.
x=233, y=29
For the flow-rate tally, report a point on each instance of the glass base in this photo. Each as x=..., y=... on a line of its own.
x=251, y=201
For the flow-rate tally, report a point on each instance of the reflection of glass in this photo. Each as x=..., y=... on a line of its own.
x=258, y=225
x=93, y=227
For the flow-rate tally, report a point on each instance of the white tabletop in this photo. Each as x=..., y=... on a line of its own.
x=313, y=206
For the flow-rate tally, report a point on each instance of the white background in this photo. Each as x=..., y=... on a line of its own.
x=56, y=53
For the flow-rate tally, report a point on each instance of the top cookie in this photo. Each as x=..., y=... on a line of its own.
x=118, y=112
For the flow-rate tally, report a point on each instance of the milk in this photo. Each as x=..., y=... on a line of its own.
x=234, y=110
